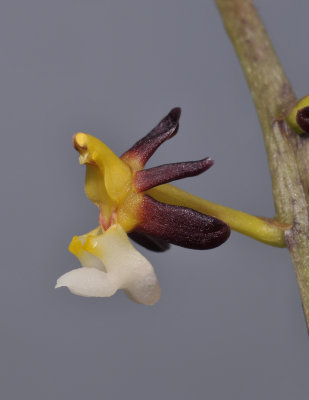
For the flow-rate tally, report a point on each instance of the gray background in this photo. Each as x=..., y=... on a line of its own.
x=229, y=324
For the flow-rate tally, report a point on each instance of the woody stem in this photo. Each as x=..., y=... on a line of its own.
x=288, y=152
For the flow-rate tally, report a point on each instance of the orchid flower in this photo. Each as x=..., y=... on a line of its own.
x=122, y=190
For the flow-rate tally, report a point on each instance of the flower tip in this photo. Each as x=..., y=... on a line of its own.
x=208, y=162
x=141, y=151
x=79, y=141
x=61, y=282
x=75, y=247
x=175, y=113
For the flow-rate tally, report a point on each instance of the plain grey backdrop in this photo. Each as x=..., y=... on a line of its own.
x=229, y=324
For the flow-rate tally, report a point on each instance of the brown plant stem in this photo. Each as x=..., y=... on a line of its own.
x=288, y=153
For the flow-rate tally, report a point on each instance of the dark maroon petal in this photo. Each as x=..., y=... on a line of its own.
x=145, y=147
x=149, y=242
x=302, y=118
x=181, y=226
x=149, y=178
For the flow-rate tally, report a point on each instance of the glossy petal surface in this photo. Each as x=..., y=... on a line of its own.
x=182, y=226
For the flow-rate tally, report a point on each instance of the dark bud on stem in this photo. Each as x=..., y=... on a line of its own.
x=302, y=119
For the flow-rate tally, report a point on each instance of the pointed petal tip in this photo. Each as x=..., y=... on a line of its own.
x=208, y=161
x=175, y=113
x=61, y=281
x=142, y=150
x=79, y=140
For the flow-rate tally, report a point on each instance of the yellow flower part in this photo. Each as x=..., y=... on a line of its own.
x=119, y=187
x=140, y=202
x=109, y=183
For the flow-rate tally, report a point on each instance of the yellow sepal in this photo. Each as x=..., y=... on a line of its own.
x=115, y=174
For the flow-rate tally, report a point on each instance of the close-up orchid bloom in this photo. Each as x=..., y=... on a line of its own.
x=133, y=274
x=122, y=190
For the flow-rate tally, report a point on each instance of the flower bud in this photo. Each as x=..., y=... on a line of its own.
x=298, y=117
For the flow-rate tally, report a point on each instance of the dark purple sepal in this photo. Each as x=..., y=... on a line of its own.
x=181, y=226
x=149, y=178
x=145, y=147
x=149, y=242
x=302, y=119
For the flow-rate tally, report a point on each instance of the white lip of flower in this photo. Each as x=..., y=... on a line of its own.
x=110, y=262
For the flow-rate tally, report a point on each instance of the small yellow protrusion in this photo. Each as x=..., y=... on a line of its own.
x=76, y=246
x=80, y=140
x=91, y=245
